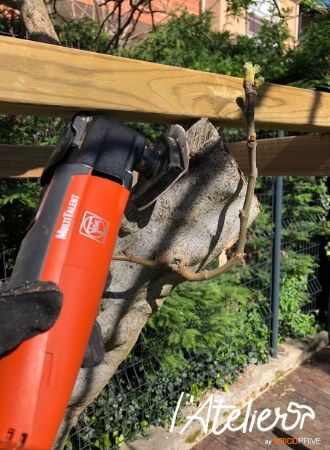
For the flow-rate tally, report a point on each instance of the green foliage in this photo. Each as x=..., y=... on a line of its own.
x=312, y=7
x=19, y=197
x=211, y=317
x=188, y=41
x=238, y=7
x=17, y=204
x=18, y=200
x=308, y=64
x=294, y=294
x=311, y=203
x=11, y=24
x=29, y=130
x=303, y=193
x=84, y=34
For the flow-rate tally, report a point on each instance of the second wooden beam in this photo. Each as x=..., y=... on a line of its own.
x=297, y=155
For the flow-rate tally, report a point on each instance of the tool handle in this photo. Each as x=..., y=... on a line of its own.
x=70, y=242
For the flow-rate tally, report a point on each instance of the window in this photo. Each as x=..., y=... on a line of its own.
x=256, y=13
x=253, y=25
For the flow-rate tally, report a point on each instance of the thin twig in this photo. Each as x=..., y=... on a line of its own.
x=129, y=20
x=189, y=275
x=277, y=6
x=250, y=85
x=238, y=258
x=102, y=24
x=151, y=264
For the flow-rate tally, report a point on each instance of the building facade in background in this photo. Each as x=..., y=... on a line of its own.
x=248, y=24
x=110, y=13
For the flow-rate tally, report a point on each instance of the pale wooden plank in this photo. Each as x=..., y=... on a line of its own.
x=297, y=155
x=41, y=79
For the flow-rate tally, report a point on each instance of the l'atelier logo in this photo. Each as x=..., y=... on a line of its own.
x=94, y=227
x=211, y=410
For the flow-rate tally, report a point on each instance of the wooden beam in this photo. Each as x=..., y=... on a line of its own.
x=297, y=155
x=21, y=161
x=42, y=79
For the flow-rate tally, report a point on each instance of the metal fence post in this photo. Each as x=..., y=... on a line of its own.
x=276, y=260
x=3, y=255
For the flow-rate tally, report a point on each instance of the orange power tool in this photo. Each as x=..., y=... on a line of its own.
x=87, y=183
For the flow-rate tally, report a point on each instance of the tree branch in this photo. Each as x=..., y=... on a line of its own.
x=125, y=24
x=277, y=6
x=151, y=264
x=250, y=85
x=37, y=22
x=104, y=21
x=122, y=27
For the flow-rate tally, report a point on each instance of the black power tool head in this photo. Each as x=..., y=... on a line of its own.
x=161, y=167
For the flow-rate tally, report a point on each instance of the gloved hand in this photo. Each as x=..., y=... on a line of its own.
x=33, y=308
x=27, y=310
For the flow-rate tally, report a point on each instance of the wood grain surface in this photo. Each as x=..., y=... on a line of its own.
x=42, y=79
x=295, y=155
